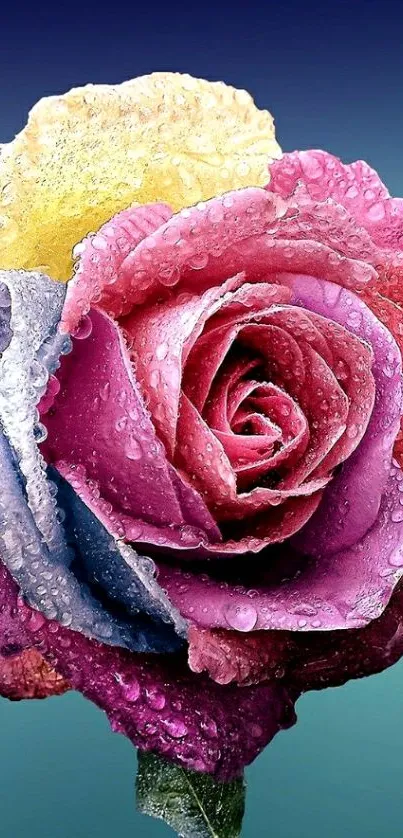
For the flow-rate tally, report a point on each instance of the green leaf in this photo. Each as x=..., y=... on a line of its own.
x=194, y=805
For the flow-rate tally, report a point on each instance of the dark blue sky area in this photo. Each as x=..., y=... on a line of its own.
x=332, y=74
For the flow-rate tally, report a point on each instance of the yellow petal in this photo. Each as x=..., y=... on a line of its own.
x=87, y=154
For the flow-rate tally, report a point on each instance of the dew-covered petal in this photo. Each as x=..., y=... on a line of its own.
x=241, y=231
x=206, y=232
x=342, y=521
x=117, y=456
x=160, y=337
x=297, y=367
x=314, y=176
x=244, y=658
x=5, y=317
x=347, y=589
x=32, y=539
x=99, y=257
x=52, y=580
x=200, y=452
x=155, y=701
x=95, y=150
x=99, y=422
x=113, y=570
x=303, y=660
x=27, y=675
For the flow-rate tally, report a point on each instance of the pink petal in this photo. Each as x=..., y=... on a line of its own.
x=97, y=278
x=304, y=659
x=160, y=336
x=200, y=453
x=202, y=246
x=191, y=250
x=343, y=521
x=347, y=589
x=315, y=176
x=100, y=429
x=305, y=375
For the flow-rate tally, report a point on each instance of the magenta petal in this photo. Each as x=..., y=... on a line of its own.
x=155, y=701
x=99, y=422
x=345, y=590
x=99, y=428
x=342, y=519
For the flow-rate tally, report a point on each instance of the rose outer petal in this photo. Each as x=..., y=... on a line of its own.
x=100, y=427
x=100, y=256
x=304, y=660
x=309, y=177
x=155, y=701
x=241, y=231
x=347, y=589
x=342, y=521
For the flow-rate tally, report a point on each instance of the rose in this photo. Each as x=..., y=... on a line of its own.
x=297, y=284
x=226, y=380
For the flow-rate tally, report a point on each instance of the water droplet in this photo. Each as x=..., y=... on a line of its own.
x=397, y=516
x=161, y=351
x=241, y=617
x=255, y=730
x=36, y=621
x=209, y=727
x=84, y=328
x=396, y=558
x=133, y=449
x=352, y=431
x=131, y=690
x=121, y=423
x=175, y=727
x=155, y=699
x=104, y=391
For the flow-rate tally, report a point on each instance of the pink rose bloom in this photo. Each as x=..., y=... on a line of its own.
x=231, y=398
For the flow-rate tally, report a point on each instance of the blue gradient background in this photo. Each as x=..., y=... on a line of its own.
x=333, y=77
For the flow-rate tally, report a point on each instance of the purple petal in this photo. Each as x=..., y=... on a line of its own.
x=351, y=502
x=155, y=701
x=347, y=589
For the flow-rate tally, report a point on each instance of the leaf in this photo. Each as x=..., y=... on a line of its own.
x=195, y=805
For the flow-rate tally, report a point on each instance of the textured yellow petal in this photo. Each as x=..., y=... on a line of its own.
x=87, y=154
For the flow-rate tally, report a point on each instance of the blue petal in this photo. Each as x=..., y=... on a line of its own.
x=32, y=539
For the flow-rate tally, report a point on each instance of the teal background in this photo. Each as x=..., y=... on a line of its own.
x=332, y=74
x=336, y=774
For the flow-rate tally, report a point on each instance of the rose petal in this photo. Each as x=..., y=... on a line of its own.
x=119, y=441
x=305, y=660
x=32, y=538
x=200, y=452
x=95, y=150
x=100, y=257
x=160, y=337
x=345, y=590
x=229, y=656
x=236, y=232
x=342, y=521
x=315, y=176
x=156, y=702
